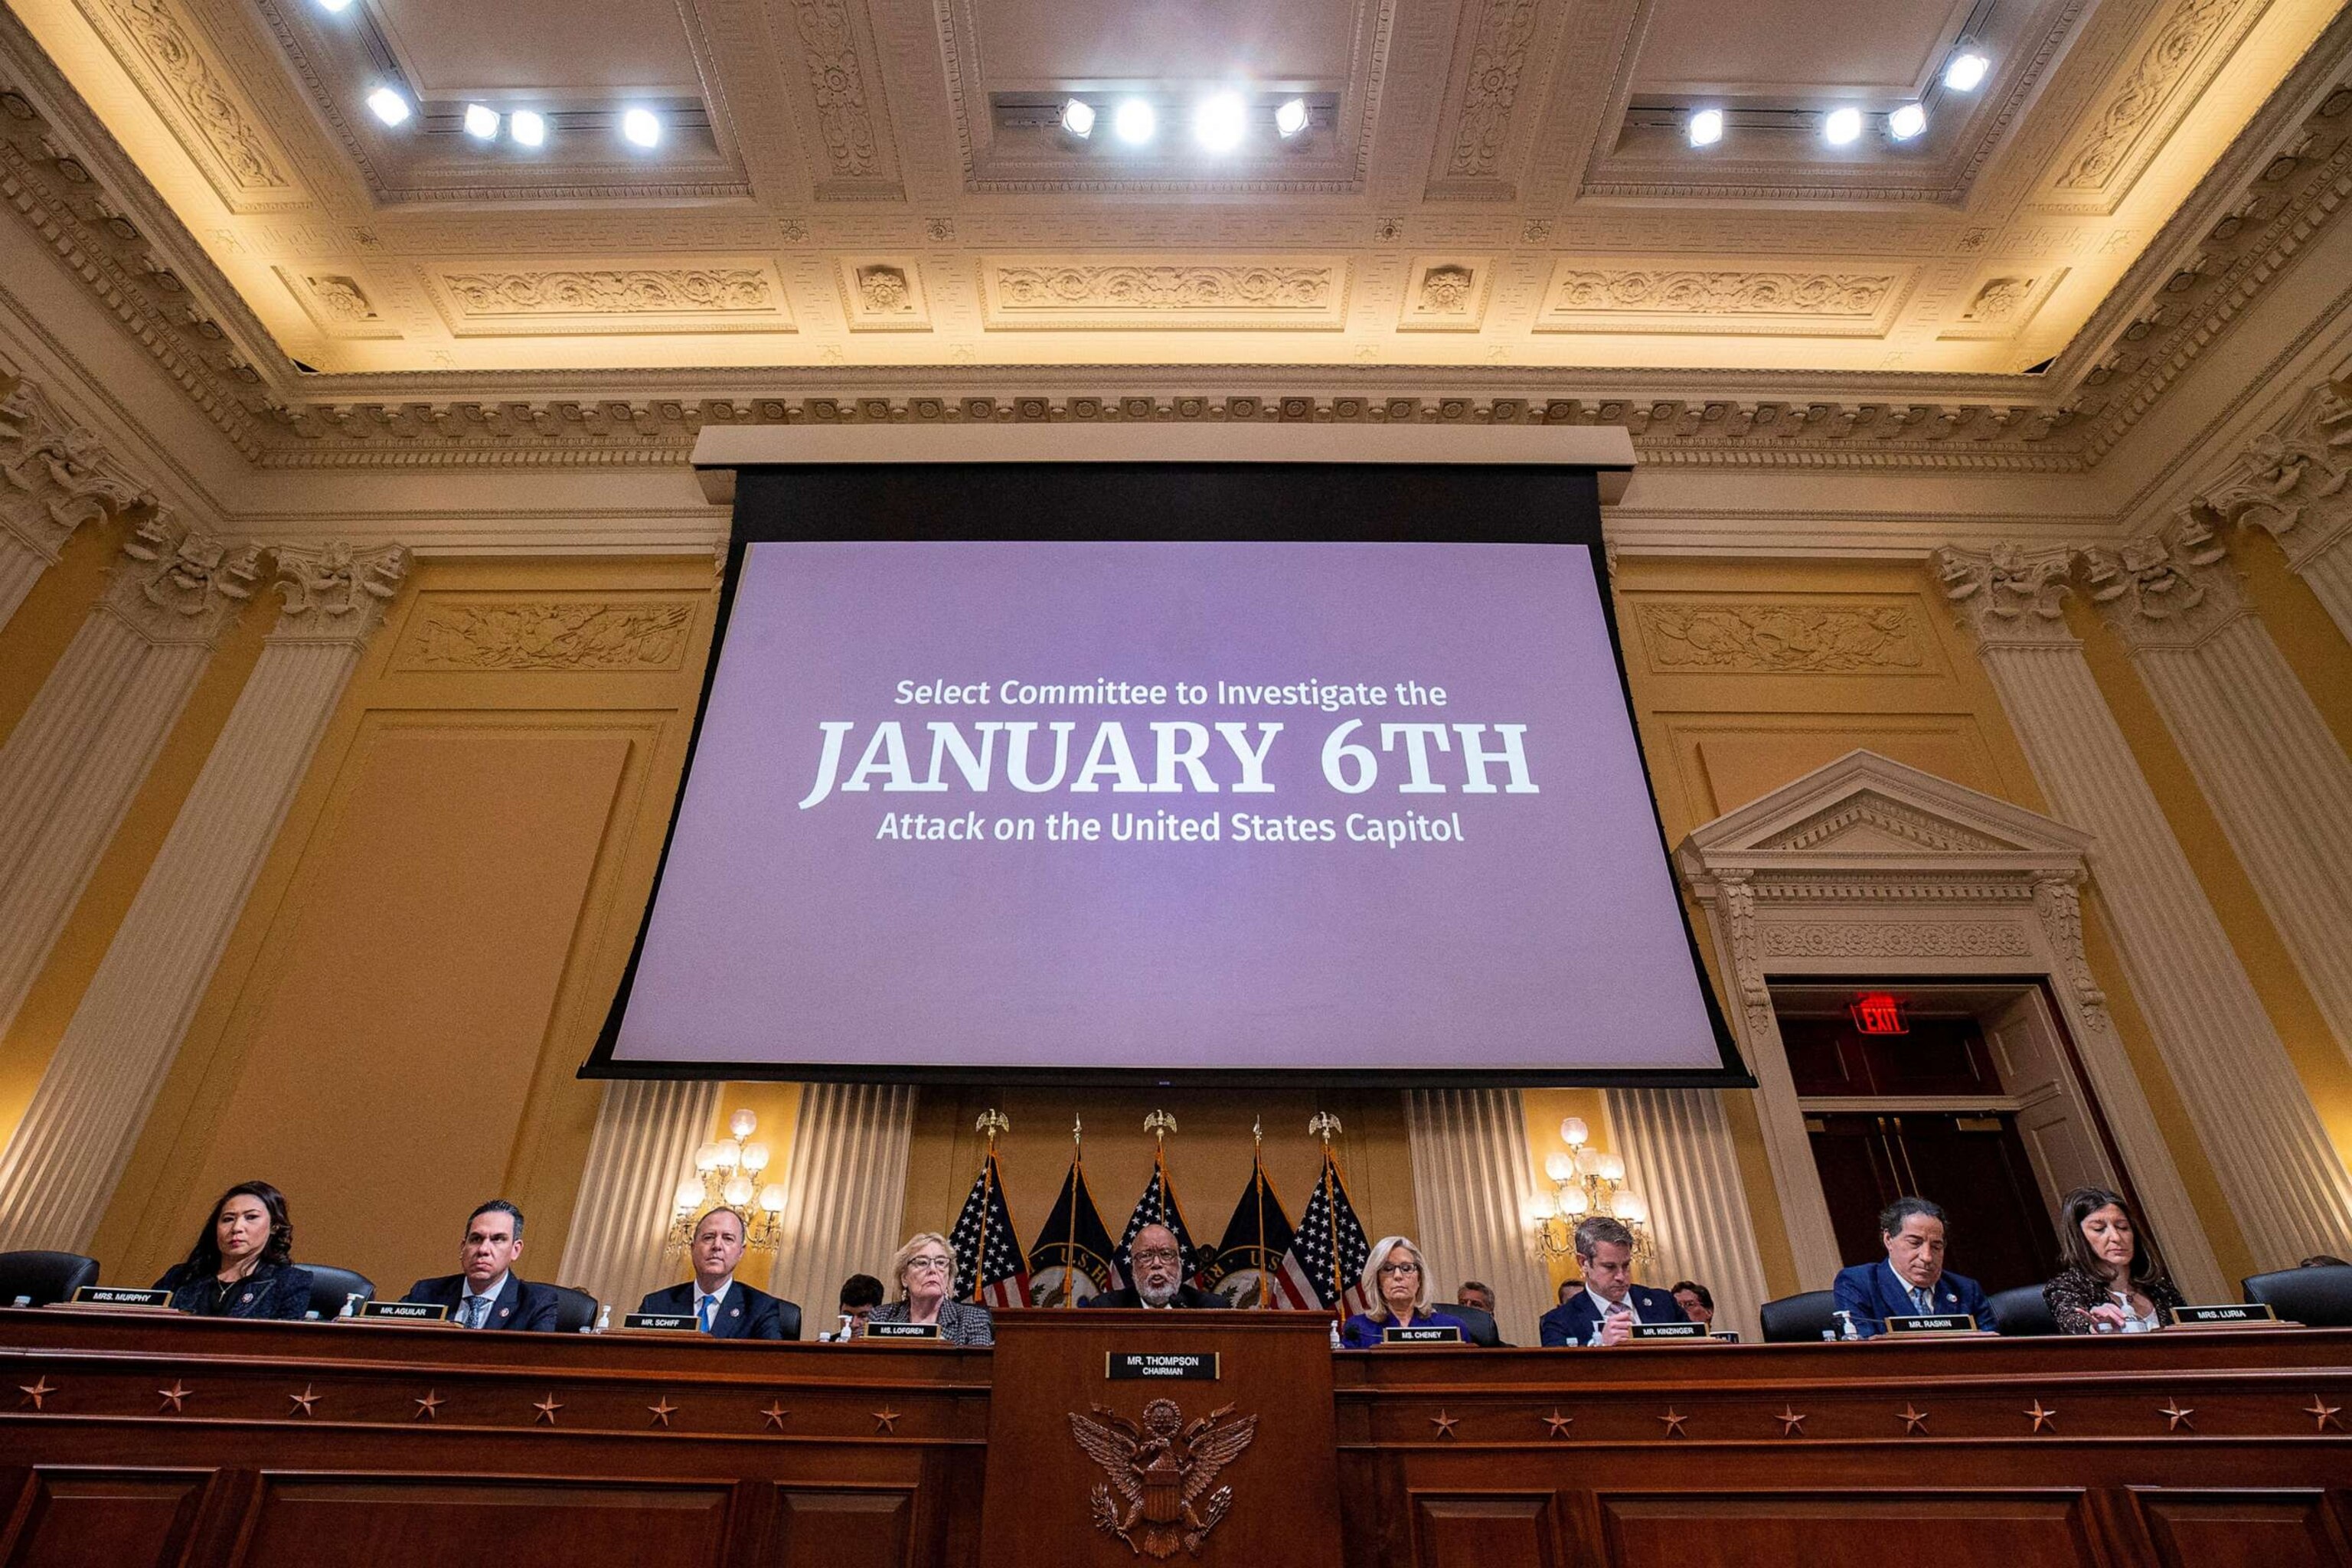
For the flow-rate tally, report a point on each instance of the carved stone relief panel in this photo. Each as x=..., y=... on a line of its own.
x=2002, y=303
x=2184, y=46
x=340, y=301
x=883, y=293
x=673, y=294
x=198, y=96
x=832, y=73
x=1797, y=637
x=1672, y=296
x=1446, y=294
x=1293, y=293
x=606, y=634
x=1495, y=93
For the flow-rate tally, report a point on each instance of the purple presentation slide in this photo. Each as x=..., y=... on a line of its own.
x=1091, y=805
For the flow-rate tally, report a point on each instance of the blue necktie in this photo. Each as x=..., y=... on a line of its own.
x=1921, y=1300
x=473, y=1310
x=709, y=1301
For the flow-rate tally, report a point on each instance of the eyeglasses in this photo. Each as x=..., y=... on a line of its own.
x=930, y=1260
x=1400, y=1268
x=1170, y=1257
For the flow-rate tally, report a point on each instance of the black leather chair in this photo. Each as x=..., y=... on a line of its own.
x=329, y=1288
x=574, y=1310
x=2319, y=1298
x=1477, y=1324
x=2021, y=1313
x=43, y=1278
x=1792, y=1319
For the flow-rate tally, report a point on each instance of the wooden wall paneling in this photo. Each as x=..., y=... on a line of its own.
x=1484, y=1530
x=2285, y=1527
x=105, y=1517
x=1826, y=1529
x=845, y=1526
x=530, y=1522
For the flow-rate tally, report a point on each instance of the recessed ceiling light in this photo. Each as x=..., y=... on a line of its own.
x=387, y=105
x=641, y=127
x=1906, y=123
x=1844, y=125
x=1967, y=72
x=1706, y=128
x=1220, y=121
x=527, y=127
x=1291, y=118
x=482, y=122
x=334, y=4
x=1078, y=118
x=1133, y=122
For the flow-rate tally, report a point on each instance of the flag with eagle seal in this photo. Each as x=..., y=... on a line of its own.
x=1163, y=1470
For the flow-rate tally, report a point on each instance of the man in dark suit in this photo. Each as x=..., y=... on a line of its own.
x=1605, y=1311
x=486, y=1293
x=1911, y=1281
x=725, y=1307
x=1474, y=1303
x=1156, y=1266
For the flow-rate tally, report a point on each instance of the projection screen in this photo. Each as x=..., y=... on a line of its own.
x=1220, y=772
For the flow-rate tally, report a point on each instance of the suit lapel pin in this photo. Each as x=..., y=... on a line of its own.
x=504, y=1311
x=241, y=1301
x=734, y=1311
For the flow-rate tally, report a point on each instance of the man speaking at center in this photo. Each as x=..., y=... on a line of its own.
x=1156, y=1264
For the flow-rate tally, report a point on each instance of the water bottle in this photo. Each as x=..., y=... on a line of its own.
x=1335, y=1335
x=1846, y=1330
x=351, y=1305
x=603, y=1318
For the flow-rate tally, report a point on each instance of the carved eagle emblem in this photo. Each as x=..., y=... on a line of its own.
x=1162, y=1470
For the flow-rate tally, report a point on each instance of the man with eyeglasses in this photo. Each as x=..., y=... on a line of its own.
x=1156, y=1268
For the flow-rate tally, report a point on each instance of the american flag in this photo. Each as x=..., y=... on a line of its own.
x=1157, y=1205
x=1074, y=1245
x=1254, y=1265
x=989, y=1266
x=1332, y=1248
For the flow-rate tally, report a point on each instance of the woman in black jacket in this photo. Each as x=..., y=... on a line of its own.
x=242, y=1265
x=2111, y=1284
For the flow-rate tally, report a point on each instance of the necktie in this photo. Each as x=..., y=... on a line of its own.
x=471, y=1311
x=1921, y=1300
x=709, y=1301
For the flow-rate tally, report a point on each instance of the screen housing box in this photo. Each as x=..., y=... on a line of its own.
x=1376, y=468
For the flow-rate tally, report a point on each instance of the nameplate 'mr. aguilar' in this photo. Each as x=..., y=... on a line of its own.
x=1184, y=1367
x=1933, y=1323
x=900, y=1333
x=2228, y=1315
x=663, y=1322
x=1670, y=1331
x=406, y=1312
x=120, y=1296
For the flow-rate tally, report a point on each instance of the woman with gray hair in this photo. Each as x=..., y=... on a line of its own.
x=924, y=1270
x=1397, y=1284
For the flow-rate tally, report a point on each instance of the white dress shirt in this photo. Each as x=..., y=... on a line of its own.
x=474, y=1317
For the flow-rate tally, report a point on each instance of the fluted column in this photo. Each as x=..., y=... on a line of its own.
x=2283, y=1178
x=2295, y=482
x=70, y=766
x=1676, y=1146
x=2274, y=773
x=54, y=477
x=845, y=1193
x=1473, y=1191
x=58, y=1170
x=646, y=1133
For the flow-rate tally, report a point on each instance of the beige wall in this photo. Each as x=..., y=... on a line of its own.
x=394, y=1032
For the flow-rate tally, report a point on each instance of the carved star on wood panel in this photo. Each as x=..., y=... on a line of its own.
x=2175, y=1417
x=2045, y=1418
x=2318, y=1407
x=304, y=1400
x=1915, y=1420
x=41, y=1388
x=547, y=1408
x=775, y=1412
x=662, y=1412
x=1444, y=1423
x=1558, y=1423
x=1792, y=1423
x=885, y=1420
x=428, y=1407
x=175, y=1398
x=1674, y=1420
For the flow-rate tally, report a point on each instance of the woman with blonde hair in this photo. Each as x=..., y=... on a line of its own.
x=1396, y=1283
x=924, y=1270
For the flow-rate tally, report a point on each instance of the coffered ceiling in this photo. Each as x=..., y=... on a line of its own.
x=1497, y=193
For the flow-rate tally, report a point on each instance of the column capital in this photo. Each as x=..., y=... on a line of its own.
x=2013, y=596
x=335, y=592
x=2171, y=589
x=2294, y=479
x=54, y=475
x=176, y=586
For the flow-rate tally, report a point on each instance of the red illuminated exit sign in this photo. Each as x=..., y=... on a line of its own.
x=1876, y=1012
